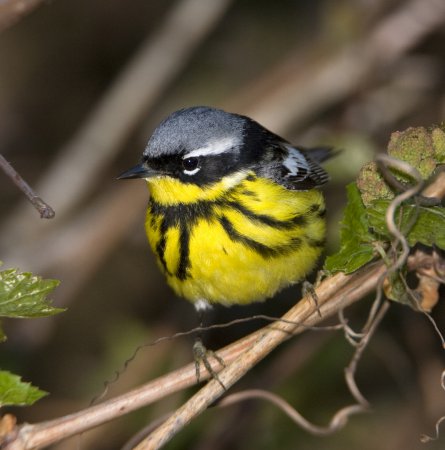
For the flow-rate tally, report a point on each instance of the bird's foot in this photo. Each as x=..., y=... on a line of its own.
x=202, y=355
x=309, y=288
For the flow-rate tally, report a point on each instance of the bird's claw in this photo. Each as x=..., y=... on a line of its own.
x=201, y=355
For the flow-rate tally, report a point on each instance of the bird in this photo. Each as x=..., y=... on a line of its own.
x=235, y=213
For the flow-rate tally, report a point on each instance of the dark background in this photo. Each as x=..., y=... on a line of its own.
x=345, y=73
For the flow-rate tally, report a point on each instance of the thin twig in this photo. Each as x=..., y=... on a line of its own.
x=352, y=367
x=397, y=201
x=351, y=336
x=424, y=438
x=338, y=421
x=197, y=331
x=45, y=211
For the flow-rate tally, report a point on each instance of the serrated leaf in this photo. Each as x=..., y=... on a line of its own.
x=419, y=224
x=350, y=258
x=356, y=247
x=14, y=391
x=23, y=295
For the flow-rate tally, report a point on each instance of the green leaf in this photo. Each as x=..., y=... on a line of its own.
x=419, y=224
x=397, y=290
x=23, y=295
x=356, y=248
x=14, y=391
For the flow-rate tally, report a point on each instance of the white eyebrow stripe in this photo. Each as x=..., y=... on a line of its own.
x=213, y=148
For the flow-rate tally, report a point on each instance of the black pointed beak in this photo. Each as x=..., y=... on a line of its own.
x=139, y=171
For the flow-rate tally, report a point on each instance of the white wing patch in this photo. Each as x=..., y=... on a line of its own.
x=295, y=161
x=214, y=148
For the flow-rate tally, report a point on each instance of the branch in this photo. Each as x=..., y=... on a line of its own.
x=322, y=85
x=334, y=293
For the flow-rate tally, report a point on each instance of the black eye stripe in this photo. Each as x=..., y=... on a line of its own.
x=209, y=168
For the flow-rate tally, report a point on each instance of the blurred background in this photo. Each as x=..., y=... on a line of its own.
x=83, y=84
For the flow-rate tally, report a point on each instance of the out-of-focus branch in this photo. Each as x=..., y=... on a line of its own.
x=299, y=94
x=11, y=11
x=74, y=171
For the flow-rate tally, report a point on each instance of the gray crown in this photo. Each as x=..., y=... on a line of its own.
x=192, y=128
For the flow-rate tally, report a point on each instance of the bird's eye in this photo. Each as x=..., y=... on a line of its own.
x=190, y=165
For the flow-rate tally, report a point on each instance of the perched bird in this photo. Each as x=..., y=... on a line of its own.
x=235, y=213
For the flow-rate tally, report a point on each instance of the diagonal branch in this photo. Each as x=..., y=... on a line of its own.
x=332, y=294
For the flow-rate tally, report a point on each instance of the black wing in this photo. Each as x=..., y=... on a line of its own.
x=292, y=167
x=298, y=168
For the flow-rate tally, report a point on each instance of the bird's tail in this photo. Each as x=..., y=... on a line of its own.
x=320, y=154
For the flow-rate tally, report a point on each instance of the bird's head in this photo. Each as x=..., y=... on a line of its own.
x=196, y=153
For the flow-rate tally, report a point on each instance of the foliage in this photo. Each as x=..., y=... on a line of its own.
x=364, y=227
x=22, y=295
x=356, y=237
x=14, y=391
x=419, y=224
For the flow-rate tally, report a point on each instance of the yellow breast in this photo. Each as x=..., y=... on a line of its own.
x=237, y=242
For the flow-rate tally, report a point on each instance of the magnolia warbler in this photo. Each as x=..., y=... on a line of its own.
x=234, y=213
